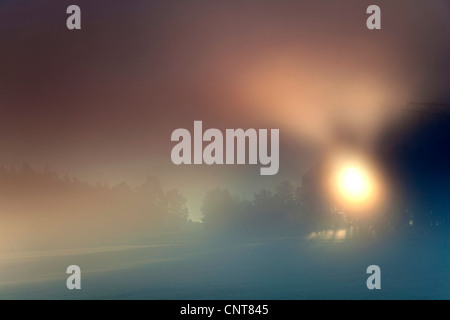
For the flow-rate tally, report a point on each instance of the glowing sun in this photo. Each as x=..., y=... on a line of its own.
x=355, y=184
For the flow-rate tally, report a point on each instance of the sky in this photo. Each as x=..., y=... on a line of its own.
x=100, y=103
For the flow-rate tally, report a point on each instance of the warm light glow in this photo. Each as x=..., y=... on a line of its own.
x=354, y=184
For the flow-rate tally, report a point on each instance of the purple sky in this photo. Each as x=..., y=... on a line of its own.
x=101, y=103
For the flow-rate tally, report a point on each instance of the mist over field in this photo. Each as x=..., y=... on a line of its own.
x=259, y=269
x=138, y=243
x=86, y=176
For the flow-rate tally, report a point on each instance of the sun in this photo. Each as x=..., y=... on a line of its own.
x=355, y=185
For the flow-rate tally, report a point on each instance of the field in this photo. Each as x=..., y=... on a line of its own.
x=201, y=268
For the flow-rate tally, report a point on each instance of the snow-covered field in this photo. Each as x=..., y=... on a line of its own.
x=411, y=268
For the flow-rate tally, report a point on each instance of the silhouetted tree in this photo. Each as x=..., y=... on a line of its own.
x=67, y=210
x=222, y=212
